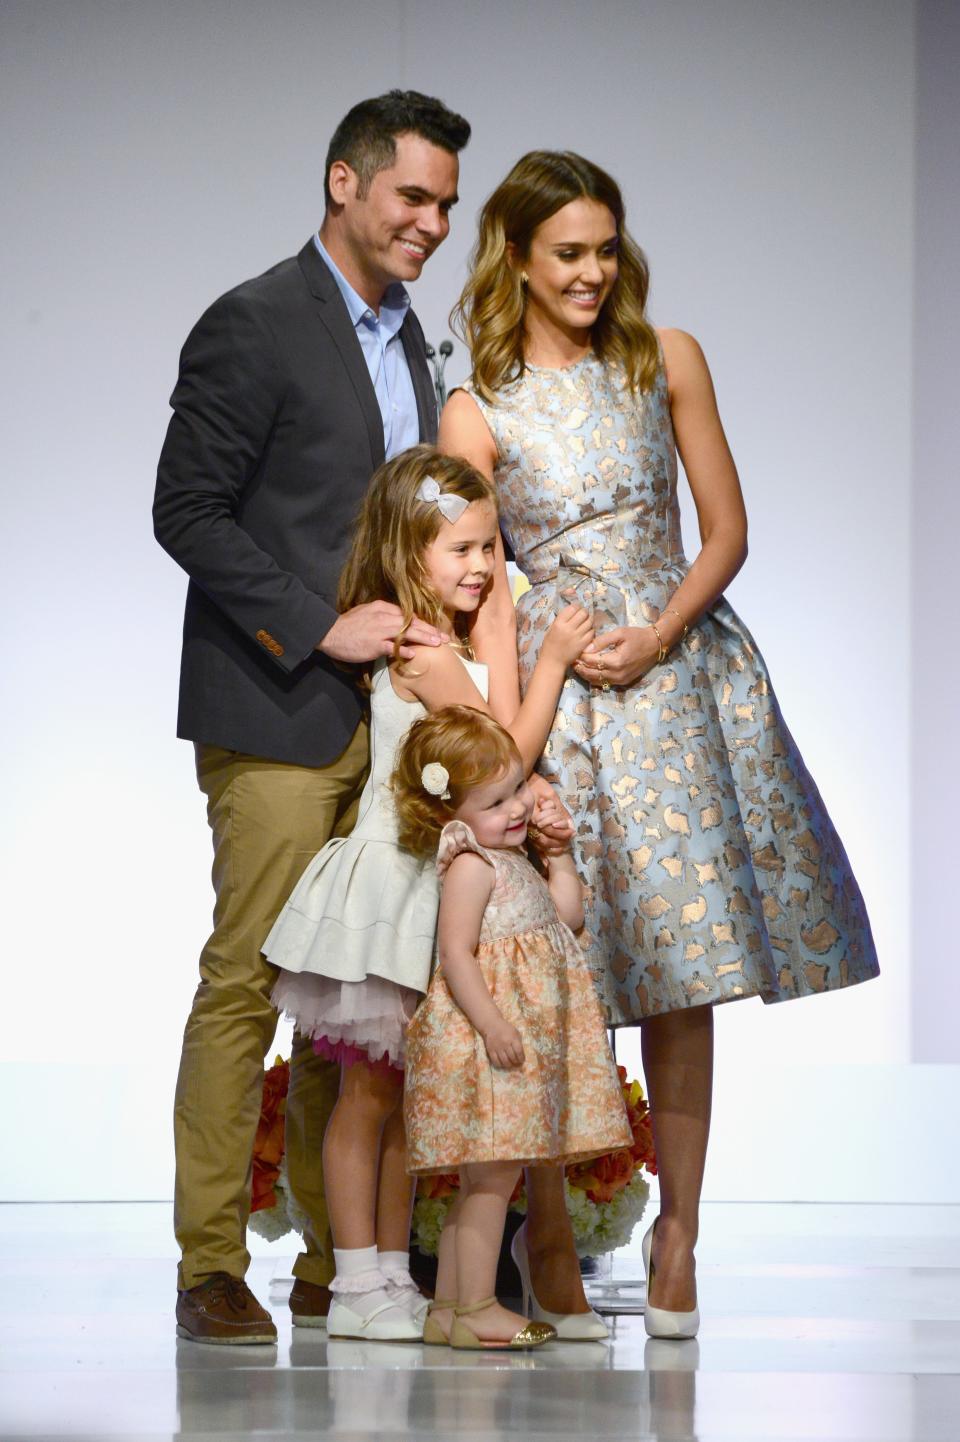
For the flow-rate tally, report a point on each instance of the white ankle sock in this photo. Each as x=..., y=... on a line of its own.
x=394, y=1262
x=351, y=1261
x=360, y=1283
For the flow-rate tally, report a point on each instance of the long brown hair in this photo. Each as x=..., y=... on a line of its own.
x=395, y=527
x=489, y=313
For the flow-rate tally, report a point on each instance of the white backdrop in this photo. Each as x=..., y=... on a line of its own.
x=156, y=155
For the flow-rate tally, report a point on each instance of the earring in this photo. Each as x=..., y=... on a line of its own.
x=524, y=278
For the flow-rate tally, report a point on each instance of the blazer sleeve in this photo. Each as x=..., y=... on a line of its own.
x=225, y=405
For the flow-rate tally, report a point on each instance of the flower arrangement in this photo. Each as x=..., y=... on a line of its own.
x=268, y=1143
x=606, y=1196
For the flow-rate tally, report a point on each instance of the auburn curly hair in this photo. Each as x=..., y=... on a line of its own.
x=473, y=749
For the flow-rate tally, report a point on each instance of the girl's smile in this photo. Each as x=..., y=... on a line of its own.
x=498, y=813
x=459, y=561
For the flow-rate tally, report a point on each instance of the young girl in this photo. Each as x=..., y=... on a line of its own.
x=355, y=940
x=507, y=1058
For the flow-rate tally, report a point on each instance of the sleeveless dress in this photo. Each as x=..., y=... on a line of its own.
x=355, y=940
x=713, y=871
x=564, y=1103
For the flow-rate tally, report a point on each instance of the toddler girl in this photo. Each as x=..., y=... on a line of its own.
x=355, y=940
x=507, y=1058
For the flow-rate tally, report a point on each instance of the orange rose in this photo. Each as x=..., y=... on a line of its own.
x=603, y=1177
x=608, y=1175
x=434, y=1188
x=269, y=1140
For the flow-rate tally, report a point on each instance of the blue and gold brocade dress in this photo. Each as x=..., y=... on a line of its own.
x=712, y=869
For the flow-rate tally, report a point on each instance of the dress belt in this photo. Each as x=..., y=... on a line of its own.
x=629, y=578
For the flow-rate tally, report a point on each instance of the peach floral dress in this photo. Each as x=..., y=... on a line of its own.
x=564, y=1103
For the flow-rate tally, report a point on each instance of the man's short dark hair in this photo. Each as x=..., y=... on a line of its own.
x=366, y=138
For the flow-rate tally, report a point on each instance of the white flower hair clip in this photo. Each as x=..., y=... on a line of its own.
x=450, y=507
x=435, y=778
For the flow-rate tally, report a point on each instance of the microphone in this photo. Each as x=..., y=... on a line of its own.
x=438, y=367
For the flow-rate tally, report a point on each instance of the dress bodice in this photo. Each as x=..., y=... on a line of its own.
x=520, y=900
x=390, y=719
x=587, y=483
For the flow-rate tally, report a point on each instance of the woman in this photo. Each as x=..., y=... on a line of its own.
x=712, y=869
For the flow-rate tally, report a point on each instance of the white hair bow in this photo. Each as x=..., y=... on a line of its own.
x=450, y=507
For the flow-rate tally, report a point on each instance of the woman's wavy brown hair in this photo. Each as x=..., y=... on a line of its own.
x=490, y=313
x=474, y=749
x=394, y=529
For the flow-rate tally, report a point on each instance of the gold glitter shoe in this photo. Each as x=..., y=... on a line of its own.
x=534, y=1334
x=433, y=1334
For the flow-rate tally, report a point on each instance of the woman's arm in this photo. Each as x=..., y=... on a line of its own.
x=715, y=486
x=713, y=480
x=466, y=890
x=493, y=629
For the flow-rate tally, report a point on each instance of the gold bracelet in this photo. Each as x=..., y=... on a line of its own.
x=663, y=650
x=679, y=618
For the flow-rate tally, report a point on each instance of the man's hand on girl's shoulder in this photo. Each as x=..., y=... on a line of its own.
x=368, y=631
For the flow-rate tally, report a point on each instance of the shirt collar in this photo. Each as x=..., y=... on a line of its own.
x=393, y=307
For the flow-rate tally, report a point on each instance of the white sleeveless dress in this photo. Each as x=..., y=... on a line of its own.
x=355, y=941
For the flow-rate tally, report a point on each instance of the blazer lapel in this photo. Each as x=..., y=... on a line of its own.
x=336, y=318
x=423, y=388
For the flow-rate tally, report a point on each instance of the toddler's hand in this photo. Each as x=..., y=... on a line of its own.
x=551, y=828
x=503, y=1044
x=571, y=633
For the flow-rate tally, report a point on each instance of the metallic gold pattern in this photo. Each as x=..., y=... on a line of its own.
x=711, y=866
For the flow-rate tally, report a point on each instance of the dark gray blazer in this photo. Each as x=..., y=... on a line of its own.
x=275, y=434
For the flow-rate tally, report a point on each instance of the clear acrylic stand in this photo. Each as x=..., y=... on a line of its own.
x=281, y=1279
x=608, y=1293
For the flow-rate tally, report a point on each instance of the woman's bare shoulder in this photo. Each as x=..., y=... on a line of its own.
x=679, y=346
x=464, y=431
x=683, y=359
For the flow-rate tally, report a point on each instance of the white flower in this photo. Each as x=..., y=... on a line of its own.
x=600, y=1227
x=429, y=1215
x=435, y=778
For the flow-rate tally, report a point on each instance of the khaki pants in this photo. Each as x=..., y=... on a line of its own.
x=268, y=819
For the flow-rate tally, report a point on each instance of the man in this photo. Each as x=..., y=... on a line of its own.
x=293, y=388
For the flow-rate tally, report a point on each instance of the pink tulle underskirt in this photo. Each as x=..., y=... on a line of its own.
x=346, y=1053
x=348, y=1021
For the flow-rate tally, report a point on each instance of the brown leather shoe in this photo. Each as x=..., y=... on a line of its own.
x=223, y=1310
x=309, y=1304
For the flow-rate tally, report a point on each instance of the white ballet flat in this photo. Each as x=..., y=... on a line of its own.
x=403, y=1290
x=386, y=1323
x=569, y=1326
x=658, y=1321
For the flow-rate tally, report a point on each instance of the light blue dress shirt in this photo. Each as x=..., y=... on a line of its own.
x=379, y=338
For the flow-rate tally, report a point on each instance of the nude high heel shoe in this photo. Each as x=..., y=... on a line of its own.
x=657, y=1320
x=569, y=1326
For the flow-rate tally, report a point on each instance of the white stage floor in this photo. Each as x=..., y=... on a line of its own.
x=820, y=1322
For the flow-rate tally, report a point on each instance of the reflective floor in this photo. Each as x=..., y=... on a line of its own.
x=819, y=1323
